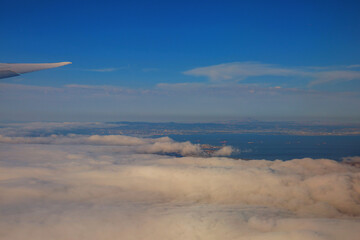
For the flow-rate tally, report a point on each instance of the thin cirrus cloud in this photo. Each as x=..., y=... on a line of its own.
x=335, y=76
x=103, y=70
x=220, y=99
x=108, y=69
x=168, y=90
x=242, y=70
x=353, y=66
x=238, y=71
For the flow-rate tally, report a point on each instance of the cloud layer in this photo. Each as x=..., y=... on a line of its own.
x=163, y=145
x=111, y=187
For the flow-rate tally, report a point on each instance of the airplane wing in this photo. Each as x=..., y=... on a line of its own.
x=15, y=69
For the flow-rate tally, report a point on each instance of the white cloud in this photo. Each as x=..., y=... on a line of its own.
x=107, y=192
x=161, y=145
x=224, y=151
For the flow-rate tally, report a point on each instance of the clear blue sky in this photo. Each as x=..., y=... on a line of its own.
x=182, y=60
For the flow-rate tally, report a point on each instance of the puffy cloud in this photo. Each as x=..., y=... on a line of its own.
x=107, y=191
x=184, y=148
x=224, y=151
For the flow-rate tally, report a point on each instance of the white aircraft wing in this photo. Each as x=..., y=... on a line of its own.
x=15, y=69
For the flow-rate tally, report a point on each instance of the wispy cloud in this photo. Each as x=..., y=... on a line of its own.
x=72, y=89
x=103, y=70
x=238, y=71
x=354, y=66
x=173, y=100
x=28, y=88
x=231, y=89
x=242, y=70
x=335, y=76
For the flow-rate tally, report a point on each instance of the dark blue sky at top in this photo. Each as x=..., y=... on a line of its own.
x=180, y=35
x=152, y=42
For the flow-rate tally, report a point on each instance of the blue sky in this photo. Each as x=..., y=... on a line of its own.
x=182, y=60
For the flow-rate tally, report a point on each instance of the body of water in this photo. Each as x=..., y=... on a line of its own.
x=283, y=147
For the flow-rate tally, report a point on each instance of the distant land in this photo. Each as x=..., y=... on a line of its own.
x=173, y=128
x=248, y=127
